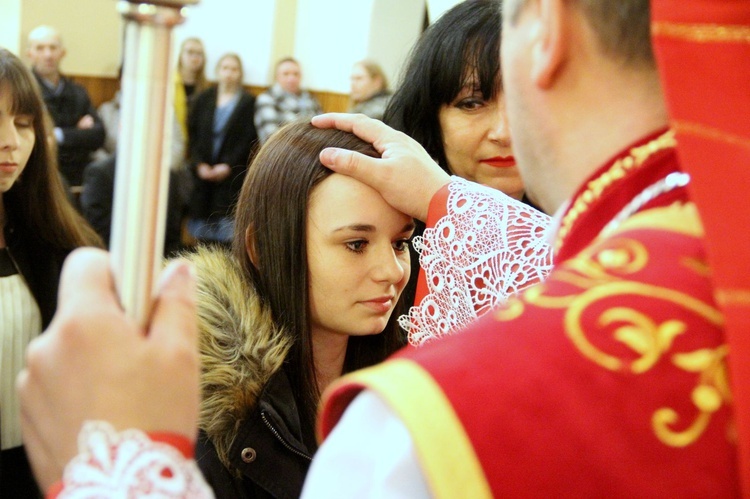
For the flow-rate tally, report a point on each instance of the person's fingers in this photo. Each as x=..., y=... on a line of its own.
x=342, y=121
x=46, y=469
x=360, y=166
x=372, y=131
x=86, y=278
x=174, y=331
x=174, y=316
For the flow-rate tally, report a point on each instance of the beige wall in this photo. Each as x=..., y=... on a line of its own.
x=10, y=28
x=284, y=29
x=91, y=31
x=322, y=33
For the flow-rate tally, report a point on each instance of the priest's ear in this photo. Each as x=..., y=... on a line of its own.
x=551, y=40
x=252, y=254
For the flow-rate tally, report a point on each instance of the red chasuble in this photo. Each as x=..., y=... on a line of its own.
x=703, y=52
x=609, y=379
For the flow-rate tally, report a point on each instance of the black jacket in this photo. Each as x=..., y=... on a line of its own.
x=66, y=109
x=267, y=458
x=240, y=140
x=250, y=443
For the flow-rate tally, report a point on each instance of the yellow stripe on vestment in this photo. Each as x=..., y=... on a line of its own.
x=709, y=133
x=445, y=453
x=702, y=33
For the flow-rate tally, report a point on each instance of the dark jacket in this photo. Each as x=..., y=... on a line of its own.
x=97, y=203
x=66, y=109
x=250, y=443
x=39, y=264
x=240, y=140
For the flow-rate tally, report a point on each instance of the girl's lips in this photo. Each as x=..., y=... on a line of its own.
x=8, y=167
x=381, y=304
x=500, y=161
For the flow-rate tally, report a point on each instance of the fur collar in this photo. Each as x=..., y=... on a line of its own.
x=240, y=346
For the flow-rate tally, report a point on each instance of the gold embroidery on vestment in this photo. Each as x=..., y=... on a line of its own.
x=594, y=189
x=679, y=217
x=700, y=267
x=601, y=276
x=637, y=330
x=711, y=393
x=702, y=33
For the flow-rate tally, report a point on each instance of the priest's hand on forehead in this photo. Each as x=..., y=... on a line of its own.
x=405, y=176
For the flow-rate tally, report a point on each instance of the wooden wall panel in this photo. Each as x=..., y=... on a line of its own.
x=100, y=88
x=103, y=88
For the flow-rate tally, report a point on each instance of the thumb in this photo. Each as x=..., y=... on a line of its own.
x=174, y=318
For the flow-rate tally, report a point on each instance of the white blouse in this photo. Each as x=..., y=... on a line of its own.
x=20, y=322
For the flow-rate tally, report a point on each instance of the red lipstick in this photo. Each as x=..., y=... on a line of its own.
x=500, y=161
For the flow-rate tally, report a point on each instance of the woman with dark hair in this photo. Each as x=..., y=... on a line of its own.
x=39, y=228
x=451, y=99
x=311, y=291
x=222, y=137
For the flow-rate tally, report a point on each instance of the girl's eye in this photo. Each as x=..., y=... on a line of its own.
x=356, y=246
x=24, y=121
x=401, y=245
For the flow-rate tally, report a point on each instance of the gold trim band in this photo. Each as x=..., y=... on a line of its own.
x=733, y=297
x=706, y=132
x=420, y=403
x=702, y=33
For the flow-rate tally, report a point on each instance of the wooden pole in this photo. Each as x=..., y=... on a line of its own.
x=142, y=174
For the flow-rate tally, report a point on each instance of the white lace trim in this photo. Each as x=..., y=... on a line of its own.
x=129, y=464
x=487, y=247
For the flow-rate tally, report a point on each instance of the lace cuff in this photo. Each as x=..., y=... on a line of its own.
x=487, y=247
x=129, y=464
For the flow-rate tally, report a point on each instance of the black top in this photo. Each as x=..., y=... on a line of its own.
x=67, y=105
x=97, y=203
x=240, y=140
x=6, y=264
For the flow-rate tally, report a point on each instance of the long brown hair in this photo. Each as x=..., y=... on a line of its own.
x=273, y=206
x=38, y=199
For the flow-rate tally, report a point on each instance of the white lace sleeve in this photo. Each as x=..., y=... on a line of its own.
x=129, y=464
x=487, y=247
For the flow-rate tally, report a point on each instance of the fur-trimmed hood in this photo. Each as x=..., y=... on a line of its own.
x=240, y=346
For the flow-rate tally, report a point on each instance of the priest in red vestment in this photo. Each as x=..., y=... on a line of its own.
x=624, y=374
x=612, y=377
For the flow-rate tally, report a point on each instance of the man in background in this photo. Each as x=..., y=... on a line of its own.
x=78, y=130
x=285, y=101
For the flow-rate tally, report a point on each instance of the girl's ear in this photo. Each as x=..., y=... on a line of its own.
x=250, y=245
